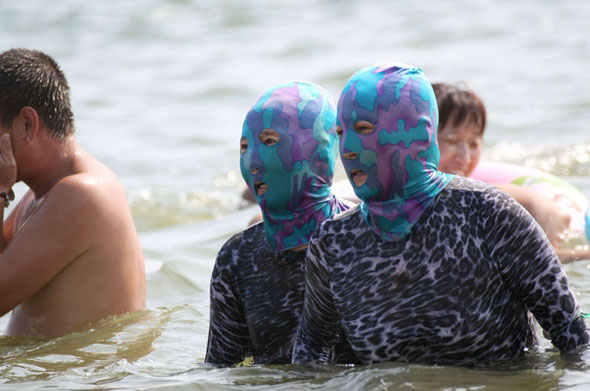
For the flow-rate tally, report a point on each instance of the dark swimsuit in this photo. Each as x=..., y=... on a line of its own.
x=256, y=301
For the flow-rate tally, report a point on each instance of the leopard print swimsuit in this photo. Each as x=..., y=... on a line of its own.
x=460, y=288
x=256, y=301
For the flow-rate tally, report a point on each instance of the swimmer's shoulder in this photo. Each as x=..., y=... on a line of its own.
x=242, y=243
x=471, y=187
x=340, y=222
x=250, y=233
x=92, y=193
x=473, y=196
x=466, y=184
x=488, y=192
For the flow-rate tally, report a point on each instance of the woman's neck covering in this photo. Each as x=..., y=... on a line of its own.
x=400, y=156
x=298, y=169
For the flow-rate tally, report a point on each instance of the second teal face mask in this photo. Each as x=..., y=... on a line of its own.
x=389, y=117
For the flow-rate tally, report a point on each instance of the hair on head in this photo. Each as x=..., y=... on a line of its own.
x=32, y=78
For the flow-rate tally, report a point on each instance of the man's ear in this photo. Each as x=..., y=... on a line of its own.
x=30, y=122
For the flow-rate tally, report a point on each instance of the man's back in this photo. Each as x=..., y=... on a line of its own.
x=80, y=255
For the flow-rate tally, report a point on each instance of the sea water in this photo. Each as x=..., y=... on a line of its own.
x=160, y=89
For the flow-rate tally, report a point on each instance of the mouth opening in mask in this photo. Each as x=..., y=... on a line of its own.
x=359, y=177
x=260, y=188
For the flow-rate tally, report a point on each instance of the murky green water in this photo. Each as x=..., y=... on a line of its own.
x=160, y=88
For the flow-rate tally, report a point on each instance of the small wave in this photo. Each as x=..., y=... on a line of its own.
x=158, y=209
x=155, y=209
x=95, y=351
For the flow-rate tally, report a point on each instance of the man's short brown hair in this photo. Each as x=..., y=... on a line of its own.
x=32, y=78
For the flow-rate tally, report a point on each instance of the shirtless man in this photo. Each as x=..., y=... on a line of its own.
x=69, y=253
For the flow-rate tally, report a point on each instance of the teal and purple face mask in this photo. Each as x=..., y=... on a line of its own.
x=389, y=117
x=288, y=150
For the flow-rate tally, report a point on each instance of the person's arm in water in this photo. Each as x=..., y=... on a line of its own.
x=318, y=328
x=530, y=267
x=547, y=212
x=572, y=255
x=229, y=340
x=550, y=216
x=49, y=241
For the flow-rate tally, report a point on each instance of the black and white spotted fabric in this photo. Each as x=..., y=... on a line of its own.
x=256, y=302
x=460, y=288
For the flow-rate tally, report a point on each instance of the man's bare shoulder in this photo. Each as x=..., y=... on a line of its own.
x=84, y=205
x=92, y=176
x=96, y=187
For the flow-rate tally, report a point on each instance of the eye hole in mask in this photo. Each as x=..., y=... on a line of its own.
x=269, y=137
x=243, y=145
x=364, y=127
x=339, y=131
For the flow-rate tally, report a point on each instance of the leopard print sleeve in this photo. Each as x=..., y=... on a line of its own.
x=318, y=328
x=229, y=340
x=529, y=266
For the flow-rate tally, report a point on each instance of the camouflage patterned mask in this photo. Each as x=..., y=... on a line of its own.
x=288, y=150
x=389, y=117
